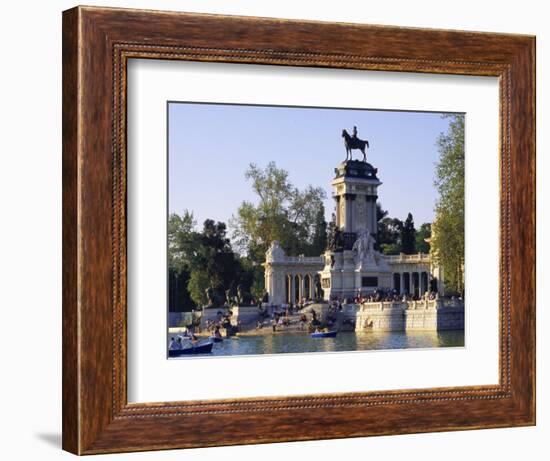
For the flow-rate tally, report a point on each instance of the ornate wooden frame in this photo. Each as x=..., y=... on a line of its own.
x=97, y=43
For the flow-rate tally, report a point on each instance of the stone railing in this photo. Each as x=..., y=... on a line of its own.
x=382, y=305
x=403, y=258
x=304, y=259
x=412, y=305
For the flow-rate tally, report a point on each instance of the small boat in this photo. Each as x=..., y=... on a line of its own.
x=216, y=339
x=324, y=334
x=204, y=348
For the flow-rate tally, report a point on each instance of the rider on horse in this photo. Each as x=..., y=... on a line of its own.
x=353, y=142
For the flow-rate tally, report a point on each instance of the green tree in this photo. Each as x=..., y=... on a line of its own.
x=198, y=260
x=181, y=240
x=408, y=236
x=423, y=233
x=448, y=228
x=389, y=235
x=197, y=285
x=283, y=213
x=319, y=239
x=214, y=256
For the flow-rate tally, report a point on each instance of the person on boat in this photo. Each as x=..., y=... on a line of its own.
x=217, y=333
x=194, y=339
x=173, y=345
x=182, y=338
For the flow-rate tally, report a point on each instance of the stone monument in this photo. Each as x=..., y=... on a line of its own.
x=352, y=265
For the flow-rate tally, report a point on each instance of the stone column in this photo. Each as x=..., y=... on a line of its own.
x=372, y=226
x=302, y=287
x=337, y=199
x=348, y=213
x=278, y=285
x=289, y=289
x=266, y=281
x=292, y=288
x=349, y=218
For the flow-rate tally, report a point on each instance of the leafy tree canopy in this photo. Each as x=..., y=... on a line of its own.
x=408, y=236
x=392, y=232
x=283, y=212
x=422, y=234
x=198, y=260
x=181, y=240
x=448, y=228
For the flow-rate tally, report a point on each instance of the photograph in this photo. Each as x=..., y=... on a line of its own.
x=297, y=229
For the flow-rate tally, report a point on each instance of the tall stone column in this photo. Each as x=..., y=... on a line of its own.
x=374, y=217
x=352, y=213
x=278, y=286
x=349, y=213
x=337, y=200
x=289, y=289
x=269, y=282
x=402, y=283
x=292, y=288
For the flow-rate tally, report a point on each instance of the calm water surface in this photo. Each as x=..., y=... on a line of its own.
x=281, y=343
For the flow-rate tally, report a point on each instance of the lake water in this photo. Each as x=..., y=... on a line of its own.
x=280, y=343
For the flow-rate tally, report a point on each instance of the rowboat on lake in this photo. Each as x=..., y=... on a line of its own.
x=204, y=348
x=324, y=334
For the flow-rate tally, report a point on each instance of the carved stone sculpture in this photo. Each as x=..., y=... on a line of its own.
x=214, y=300
x=364, y=250
x=243, y=297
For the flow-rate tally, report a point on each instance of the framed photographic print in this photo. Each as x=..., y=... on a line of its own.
x=284, y=230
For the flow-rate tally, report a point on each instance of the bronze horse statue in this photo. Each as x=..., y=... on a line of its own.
x=354, y=143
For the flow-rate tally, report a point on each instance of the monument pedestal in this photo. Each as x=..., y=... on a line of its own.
x=352, y=266
x=344, y=277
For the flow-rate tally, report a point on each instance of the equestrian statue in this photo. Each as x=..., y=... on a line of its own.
x=353, y=142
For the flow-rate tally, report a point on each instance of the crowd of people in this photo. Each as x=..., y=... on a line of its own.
x=383, y=295
x=279, y=316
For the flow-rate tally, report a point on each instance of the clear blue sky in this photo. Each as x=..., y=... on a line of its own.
x=211, y=145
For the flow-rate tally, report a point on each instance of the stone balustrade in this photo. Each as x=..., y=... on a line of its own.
x=404, y=258
x=434, y=315
x=405, y=305
x=304, y=259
